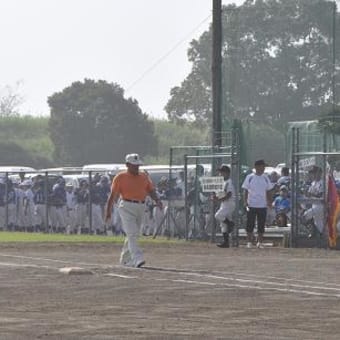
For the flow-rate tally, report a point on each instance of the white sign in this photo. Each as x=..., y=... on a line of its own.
x=307, y=162
x=212, y=184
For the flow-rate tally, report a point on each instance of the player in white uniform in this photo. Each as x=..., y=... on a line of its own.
x=316, y=192
x=20, y=211
x=227, y=206
x=71, y=209
x=29, y=221
x=11, y=205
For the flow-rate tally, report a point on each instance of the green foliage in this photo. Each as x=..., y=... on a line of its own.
x=23, y=126
x=13, y=154
x=172, y=134
x=330, y=122
x=264, y=141
x=24, y=141
x=92, y=122
x=10, y=100
x=277, y=63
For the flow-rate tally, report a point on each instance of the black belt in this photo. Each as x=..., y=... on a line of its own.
x=133, y=201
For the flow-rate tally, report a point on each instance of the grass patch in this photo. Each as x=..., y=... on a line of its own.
x=17, y=237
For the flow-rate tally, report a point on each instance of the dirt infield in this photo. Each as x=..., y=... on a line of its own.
x=186, y=291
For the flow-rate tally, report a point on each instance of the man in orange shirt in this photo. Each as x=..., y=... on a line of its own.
x=131, y=187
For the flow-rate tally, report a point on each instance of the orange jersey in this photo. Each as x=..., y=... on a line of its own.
x=132, y=187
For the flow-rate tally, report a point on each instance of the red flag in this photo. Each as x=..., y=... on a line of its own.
x=333, y=211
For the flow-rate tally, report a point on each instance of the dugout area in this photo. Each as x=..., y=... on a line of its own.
x=312, y=149
x=307, y=147
x=192, y=218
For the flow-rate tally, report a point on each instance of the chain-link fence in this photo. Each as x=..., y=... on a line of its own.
x=54, y=202
x=191, y=215
x=313, y=174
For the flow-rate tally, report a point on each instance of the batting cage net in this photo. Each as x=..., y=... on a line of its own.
x=314, y=187
x=280, y=64
x=194, y=180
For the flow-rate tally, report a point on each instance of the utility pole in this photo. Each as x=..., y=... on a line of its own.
x=333, y=57
x=216, y=81
x=217, y=73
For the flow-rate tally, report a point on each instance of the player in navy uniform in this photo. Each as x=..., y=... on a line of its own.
x=82, y=196
x=57, y=201
x=39, y=200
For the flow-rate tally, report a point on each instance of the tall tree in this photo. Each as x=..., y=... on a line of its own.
x=277, y=59
x=10, y=100
x=92, y=122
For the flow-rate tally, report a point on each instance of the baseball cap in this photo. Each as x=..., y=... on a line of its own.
x=133, y=158
x=283, y=187
x=260, y=162
x=224, y=167
x=83, y=181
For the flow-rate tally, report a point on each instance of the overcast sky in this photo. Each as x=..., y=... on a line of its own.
x=139, y=44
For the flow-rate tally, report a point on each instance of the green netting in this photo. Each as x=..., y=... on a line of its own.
x=311, y=138
x=243, y=156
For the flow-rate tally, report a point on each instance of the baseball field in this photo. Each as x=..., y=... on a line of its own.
x=187, y=290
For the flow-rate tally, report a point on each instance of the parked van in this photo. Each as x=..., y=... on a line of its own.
x=65, y=170
x=16, y=173
x=15, y=169
x=106, y=169
x=156, y=172
x=75, y=179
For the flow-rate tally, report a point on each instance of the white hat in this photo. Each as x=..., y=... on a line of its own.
x=133, y=158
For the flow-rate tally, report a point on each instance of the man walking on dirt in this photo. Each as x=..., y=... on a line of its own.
x=131, y=188
x=257, y=197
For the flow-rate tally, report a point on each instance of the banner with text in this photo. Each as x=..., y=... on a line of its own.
x=212, y=184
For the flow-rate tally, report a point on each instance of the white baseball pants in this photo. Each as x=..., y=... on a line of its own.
x=225, y=211
x=132, y=216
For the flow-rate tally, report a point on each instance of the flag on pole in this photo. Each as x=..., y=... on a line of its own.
x=333, y=211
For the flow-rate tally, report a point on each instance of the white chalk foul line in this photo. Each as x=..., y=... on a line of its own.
x=257, y=276
x=20, y=265
x=279, y=278
x=284, y=290
x=285, y=284
x=121, y=276
x=253, y=284
x=257, y=284
x=32, y=258
x=44, y=259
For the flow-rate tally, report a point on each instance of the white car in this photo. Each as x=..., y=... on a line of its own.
x=75, y=180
